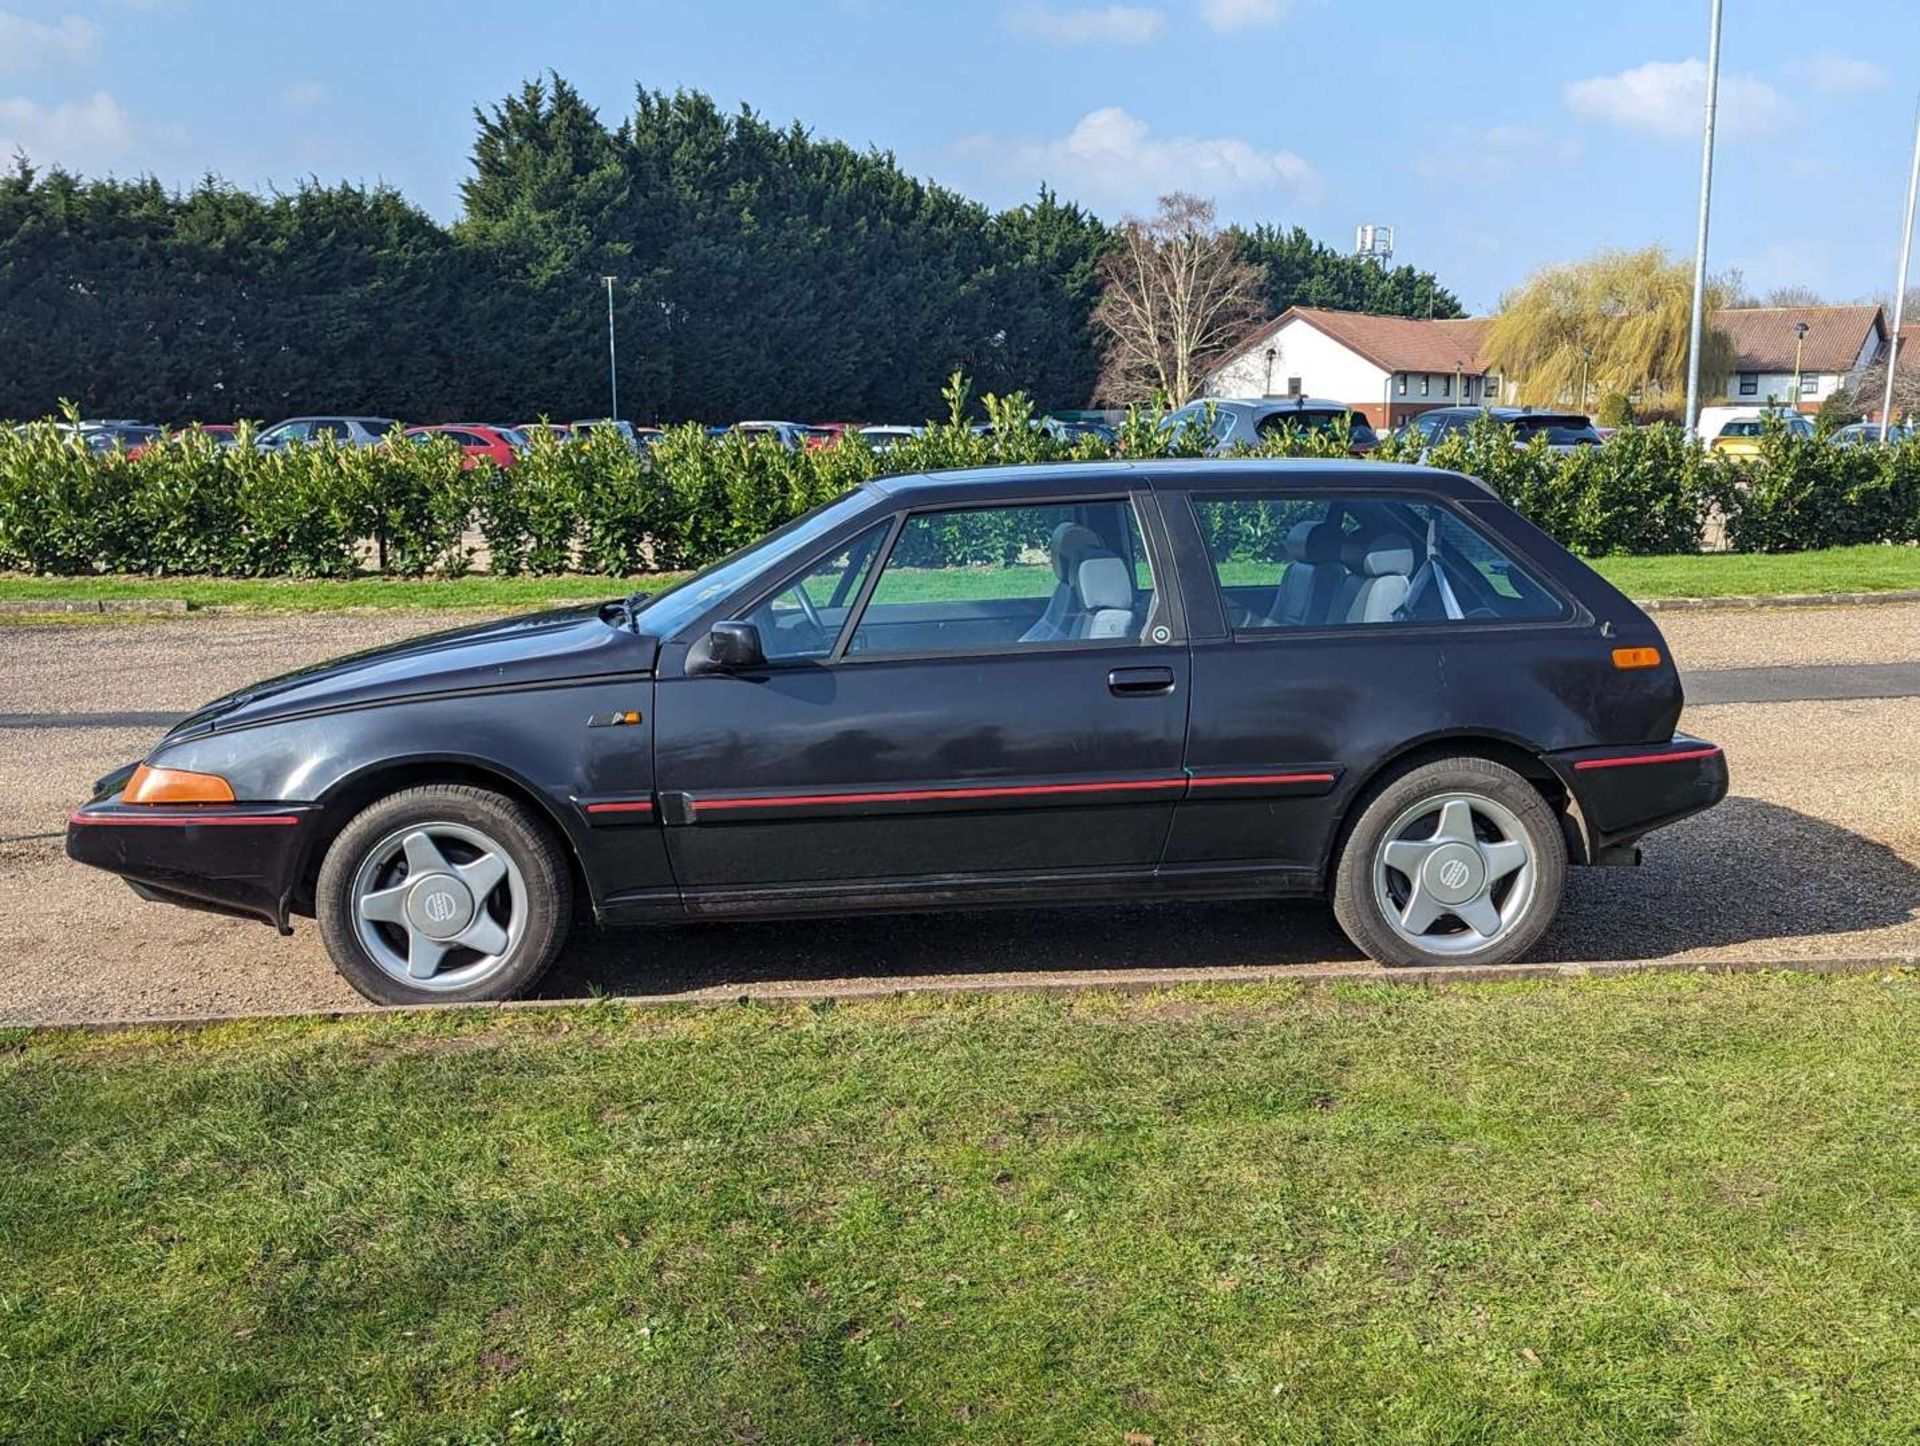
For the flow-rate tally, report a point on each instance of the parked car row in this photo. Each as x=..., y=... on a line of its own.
x=1229, y=423
x=497, y=443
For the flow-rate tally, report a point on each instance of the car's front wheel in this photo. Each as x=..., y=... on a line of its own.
x=1458, y=861
x=444, y=893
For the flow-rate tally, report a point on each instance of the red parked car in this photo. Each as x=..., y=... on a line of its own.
x=826, y=434
x=480, y=444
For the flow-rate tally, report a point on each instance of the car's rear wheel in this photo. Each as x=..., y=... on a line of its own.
x=444, y=893
x=1458, y=861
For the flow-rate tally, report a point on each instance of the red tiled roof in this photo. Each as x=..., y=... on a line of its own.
x=1392, y=343
x=1763, y=336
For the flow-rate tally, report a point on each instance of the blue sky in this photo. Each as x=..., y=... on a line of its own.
x=1494, y=138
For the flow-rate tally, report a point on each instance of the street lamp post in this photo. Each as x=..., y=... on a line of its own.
x=1799, y=340
x=613, y=369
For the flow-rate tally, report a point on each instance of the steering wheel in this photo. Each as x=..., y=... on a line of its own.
x=806, y=606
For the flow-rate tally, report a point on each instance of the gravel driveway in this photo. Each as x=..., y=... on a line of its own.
x=1816, y=854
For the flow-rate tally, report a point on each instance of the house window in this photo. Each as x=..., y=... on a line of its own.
x=1293, y=386
x=1809, y=383
x=1426, y=382
x=1446, y=386
x=1749, y=384
x=1400, y=383
x=1489, y=387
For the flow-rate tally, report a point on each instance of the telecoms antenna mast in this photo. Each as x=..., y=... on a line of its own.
x=1373, y=243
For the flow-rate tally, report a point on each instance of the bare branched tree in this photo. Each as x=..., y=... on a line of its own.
x=1866, y=389
x=1176, y=297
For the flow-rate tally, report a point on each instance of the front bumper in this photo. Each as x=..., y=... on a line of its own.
x=241, y=859
x=1622, y=794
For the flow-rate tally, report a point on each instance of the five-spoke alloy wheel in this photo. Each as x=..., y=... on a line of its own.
x=1458, y=860
x=443, y=892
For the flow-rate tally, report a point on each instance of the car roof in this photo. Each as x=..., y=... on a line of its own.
x=983, y=485
x=1282, y=404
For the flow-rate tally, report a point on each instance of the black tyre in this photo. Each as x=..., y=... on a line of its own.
x=444, y=893
x=1458, y=861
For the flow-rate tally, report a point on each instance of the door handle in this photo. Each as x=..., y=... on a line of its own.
x=1139, y=682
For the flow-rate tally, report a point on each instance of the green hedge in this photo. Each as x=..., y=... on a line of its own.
x=190, y=507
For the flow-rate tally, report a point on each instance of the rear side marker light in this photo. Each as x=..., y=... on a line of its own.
x=1636, y=658
x=175, y=785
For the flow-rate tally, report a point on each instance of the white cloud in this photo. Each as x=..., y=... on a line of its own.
x=25, y=43
x=1841, y=74
x=306, y=93
x=79, y=135
x=1111, y=154
x=1669, y=98
x=1107, y=25
x=1227, y=16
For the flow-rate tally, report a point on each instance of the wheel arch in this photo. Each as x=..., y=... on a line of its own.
x=1514, y=752
x=348, y=795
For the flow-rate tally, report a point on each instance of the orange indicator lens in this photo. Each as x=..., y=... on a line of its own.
x=175, y=785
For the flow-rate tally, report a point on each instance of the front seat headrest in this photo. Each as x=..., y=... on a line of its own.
x=1104, y=583
x=1385, y=554
x=1323, y=544
x=1070, y=541
x=1297, y=540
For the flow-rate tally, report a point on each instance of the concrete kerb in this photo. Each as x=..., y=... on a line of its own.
x=1780, y=600
x=128, y=606
x=1040, y=983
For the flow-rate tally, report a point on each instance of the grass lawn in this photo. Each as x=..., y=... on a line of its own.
x=1870, y=568
x=1641, y=1209
x=1841, y=569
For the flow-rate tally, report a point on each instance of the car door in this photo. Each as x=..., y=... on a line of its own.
x=960, y=700
x=1304, y=682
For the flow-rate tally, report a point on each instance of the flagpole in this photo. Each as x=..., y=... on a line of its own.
x=1698, y=325
x=1900, y=287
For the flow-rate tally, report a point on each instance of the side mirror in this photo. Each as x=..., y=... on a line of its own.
x=732, y=647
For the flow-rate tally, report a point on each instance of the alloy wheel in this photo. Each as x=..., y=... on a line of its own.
x=438, y=906
x=1455, y=874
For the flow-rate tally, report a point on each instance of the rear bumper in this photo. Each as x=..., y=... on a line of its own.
x=1622, y=794
x=240, y=860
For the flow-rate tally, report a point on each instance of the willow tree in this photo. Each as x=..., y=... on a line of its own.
x=1619, y=321
x=1176, y=295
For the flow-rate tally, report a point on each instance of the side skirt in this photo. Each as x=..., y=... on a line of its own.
x=970, y=891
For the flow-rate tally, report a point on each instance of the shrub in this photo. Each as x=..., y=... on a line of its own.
x=327, y=511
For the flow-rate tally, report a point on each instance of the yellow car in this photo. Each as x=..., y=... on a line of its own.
x=1741, y=437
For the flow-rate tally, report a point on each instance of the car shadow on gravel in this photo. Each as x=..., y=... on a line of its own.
x=1748, y=873
x=679, y=958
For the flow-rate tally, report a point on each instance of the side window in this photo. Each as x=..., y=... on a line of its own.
x=1009, y=577
x=804, y=618
x=1314, y=562
x=337, y=430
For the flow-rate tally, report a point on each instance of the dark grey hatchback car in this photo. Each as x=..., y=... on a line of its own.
x=1040, y=684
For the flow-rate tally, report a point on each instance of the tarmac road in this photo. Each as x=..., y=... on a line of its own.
x=1815, y=856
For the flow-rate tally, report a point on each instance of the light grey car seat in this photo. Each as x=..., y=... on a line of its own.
x=1069, y=544
x=1106, y=591
x=1379, y=571
x=1312, y=579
